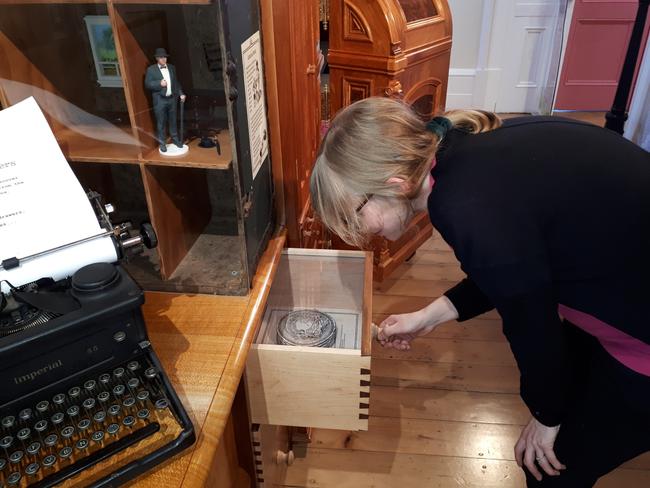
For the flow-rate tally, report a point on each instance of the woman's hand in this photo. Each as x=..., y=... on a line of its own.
x=536, y=444
x=397, y=331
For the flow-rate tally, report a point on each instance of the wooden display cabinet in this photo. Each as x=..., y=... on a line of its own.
x=396, y=49
x=85, y=63
x=374, y=48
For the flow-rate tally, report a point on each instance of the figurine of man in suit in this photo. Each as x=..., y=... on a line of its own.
x=165, y=88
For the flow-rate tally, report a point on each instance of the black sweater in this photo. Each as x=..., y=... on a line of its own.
x=540, y=212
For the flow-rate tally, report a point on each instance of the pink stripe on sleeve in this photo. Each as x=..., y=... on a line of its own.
x=628, y=350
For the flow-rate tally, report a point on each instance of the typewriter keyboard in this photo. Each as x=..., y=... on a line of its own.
x=88, y=430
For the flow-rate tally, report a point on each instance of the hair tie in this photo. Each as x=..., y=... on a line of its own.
x=439, y=126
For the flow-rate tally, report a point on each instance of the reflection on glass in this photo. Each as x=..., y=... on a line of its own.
x=418, y=9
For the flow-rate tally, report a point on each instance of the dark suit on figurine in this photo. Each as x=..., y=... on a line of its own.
x=162, y=82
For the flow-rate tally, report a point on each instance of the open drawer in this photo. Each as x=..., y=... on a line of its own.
x=315, y=386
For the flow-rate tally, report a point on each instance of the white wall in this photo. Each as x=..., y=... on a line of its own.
x=467, y=18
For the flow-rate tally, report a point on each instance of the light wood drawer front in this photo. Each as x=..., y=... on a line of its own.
x=309, y=386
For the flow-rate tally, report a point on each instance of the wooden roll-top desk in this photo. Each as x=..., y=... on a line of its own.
x=398, y=49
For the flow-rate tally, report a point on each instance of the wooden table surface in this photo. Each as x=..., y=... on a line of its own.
x=202, y=342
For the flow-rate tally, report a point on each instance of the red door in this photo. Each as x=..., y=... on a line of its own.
x=596, y=46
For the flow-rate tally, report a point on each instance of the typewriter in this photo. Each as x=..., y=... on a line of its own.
x=84, y=401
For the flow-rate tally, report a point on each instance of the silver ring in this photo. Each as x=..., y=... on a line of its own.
x=540, y=457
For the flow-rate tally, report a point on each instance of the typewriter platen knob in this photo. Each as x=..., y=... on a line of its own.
x=95, y=277
x=149, y=237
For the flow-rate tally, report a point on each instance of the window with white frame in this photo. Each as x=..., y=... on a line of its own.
x=102, y=43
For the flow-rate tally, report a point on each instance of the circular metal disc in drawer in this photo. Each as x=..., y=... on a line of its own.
x=307, y=328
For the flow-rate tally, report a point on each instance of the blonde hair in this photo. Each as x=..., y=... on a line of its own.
x=369, y=142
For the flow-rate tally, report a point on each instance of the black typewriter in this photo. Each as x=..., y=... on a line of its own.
x=84, y=400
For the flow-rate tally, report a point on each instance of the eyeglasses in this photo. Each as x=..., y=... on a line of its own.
x=364, y=202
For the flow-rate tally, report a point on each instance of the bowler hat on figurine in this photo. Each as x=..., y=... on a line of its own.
x=160, y=53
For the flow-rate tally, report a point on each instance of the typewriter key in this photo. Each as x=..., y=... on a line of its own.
x=103, y=396
x=32, y=469
x=143, y=395
x=8, y=421
x=133, y=365
x=73, y=411
x=143, y=414
x=49, y=460
x=3, y=463
x=90, y=385
x=65, y=453
x=42, y=406
x=57, y=418
x=105, y=378
x=129, y=420
x=119, y=390
x=113, y=429
x=82, y=444
x=6, y=442
x=100, y=416
x=67, y=432
x=25, y=414
x=23, y=433
x=40, y=426
x=14, y=478
x=15, y=457
x=74, y=392
x=89, y=403
x=118, y=372
x=150, y=373
x=114, y=410
x=33, y=448
x=51, y=440
x=128, y=401
x=59, y=398
x=162, y=403
x=98, y=436
x=83, y=425
x=133, y=383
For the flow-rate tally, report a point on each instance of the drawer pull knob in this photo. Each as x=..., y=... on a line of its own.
x=285, y=458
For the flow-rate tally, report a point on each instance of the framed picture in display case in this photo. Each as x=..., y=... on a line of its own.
x=102, y=43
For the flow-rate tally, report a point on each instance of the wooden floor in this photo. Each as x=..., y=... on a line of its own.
x=445, y=414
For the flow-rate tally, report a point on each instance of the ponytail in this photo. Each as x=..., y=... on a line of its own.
x=474, y=121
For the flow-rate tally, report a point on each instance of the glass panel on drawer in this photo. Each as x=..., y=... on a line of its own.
x=418, y=9
x=313, y=293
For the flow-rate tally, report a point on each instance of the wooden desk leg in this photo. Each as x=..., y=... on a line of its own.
x=226, y=471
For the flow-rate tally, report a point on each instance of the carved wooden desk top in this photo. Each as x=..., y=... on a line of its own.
x=202, y=342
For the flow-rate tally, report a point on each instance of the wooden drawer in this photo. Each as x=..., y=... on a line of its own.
x=311, y=386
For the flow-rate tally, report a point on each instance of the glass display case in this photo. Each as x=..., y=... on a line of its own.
x=204, y=181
